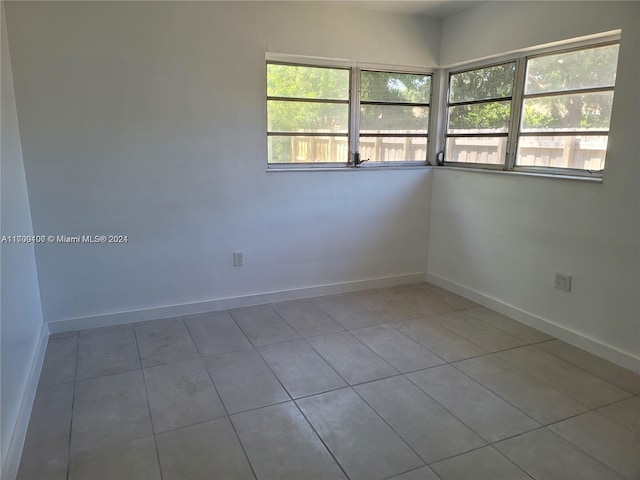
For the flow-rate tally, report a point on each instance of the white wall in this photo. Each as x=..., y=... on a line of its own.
x=147, y=119
x=504, y=236
x=20, y=312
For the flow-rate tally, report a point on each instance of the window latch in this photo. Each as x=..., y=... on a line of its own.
x=357, y=161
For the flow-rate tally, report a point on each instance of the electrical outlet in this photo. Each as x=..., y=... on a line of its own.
x=562, y=281
x=238, y=259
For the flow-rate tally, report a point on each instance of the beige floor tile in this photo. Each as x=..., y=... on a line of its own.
x=545, y=455
x=469, y=327
x=397, y=349
x=345, y=421
x=262, y=325
x=353, y=360
x=509, y=325
x=206, y=451
x=574, y=382
x=59, y=364
x=483, y=411
x=307, y=318
x=109, y=409
x=244, y=381
x=445, y=343
x=281, y=445
x=612, y=444
x=164, y=341
x=482, y=464
x=181, y=394
x=107, y=350
x=625, y=413
x=300, y=369
x=534, y=397
x=422, y=422
x=133, y=460
x=599, y=367
x=215, y=333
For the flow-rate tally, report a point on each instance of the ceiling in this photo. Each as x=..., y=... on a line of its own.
x=432, y=8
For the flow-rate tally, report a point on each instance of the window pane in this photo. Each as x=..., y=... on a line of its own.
x=585, y=152
x=480, y=118
x=307, y=82
x=393, y=119
x=288, y=116
x=590, y=111
x=483, y=150
x=595, y=67
x=393, y=149
x=301, y=149
x=482, y=84
x=395, y=87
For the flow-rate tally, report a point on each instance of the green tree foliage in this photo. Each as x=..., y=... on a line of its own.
x=290, y=81
x=575, y=70
x=394, y=88
x=482, y=84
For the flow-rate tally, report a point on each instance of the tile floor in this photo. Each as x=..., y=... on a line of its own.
x=410, y=382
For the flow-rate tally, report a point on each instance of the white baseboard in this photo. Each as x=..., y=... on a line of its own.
x=11, y=462
x=228, y=303
x=596, y=347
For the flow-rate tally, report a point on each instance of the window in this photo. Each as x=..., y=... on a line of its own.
x=394, y=116
x=321, y=115
x=479, y=111
x=545, y=113
x=307, y=114
x=567, y=109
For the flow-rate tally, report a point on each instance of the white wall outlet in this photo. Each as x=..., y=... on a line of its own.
x=238, y=259
x=562, y=281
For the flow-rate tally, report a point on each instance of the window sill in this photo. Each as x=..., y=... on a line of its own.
x=347, y=169
x=558, y=176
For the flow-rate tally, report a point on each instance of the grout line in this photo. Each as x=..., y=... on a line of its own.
x=389, y=425
x=584, y=369
x=321, y=439
x=228, y=417
x=146, y=393
x=73, y=404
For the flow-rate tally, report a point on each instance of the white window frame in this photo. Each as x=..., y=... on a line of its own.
x=355, y=68
x=517, y=102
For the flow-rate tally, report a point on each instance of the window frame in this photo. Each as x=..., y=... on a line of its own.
x=448, y=105
x=517, y=105
x=354, y=103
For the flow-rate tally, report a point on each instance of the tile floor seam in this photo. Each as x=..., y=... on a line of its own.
x=372, y=351
x=622, y=475
x=572, y=395
x=418, y=342
x=497, y=395
x=73, y=402
x=594, y=410
x=116, y=373
x=449, y=411
x=574, y=445
x=583, y=368
x=320, y=437
x=461, y=337
x=615, y=421
x=224, y=407
x=146, y=393
x=347, y=384
x=391, y=427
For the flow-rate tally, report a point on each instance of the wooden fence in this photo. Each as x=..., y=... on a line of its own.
x=564, y=151
x=583, y=152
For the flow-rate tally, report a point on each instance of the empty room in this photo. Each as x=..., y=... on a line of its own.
x=320, y=240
